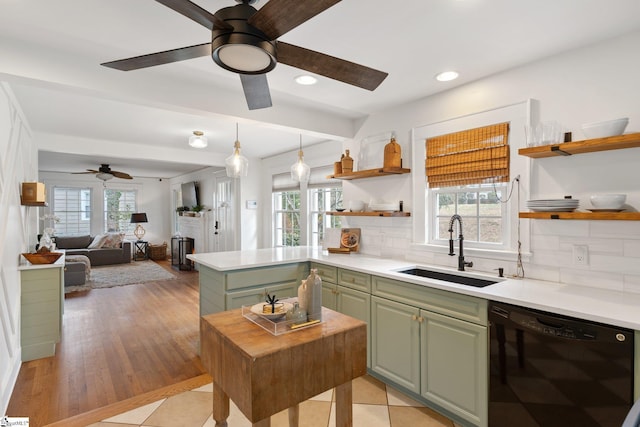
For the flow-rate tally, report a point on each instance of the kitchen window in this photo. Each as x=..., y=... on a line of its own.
x=72, y=206
x=321, y=200
x=118, y=207
x=480, y=208
x=286, y=218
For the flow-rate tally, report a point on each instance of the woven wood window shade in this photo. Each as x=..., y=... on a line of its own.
x=474, y=156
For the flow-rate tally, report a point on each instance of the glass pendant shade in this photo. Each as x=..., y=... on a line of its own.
x=300, y=171
x=236, y=164
x=198, y=140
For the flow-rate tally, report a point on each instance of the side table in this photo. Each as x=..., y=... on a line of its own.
x=264, y=374
x=140, y=250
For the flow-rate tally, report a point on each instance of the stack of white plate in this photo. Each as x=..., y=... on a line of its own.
x=553, y=205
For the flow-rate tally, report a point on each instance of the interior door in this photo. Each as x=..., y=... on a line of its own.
x=223, y=214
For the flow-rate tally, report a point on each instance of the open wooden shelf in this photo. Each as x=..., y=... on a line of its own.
x=33, y=203
x=618, y=142
x=369, y=173
x=392, y=214
x=611, y=216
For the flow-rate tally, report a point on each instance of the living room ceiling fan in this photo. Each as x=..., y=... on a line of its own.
x=105, y=173
x=243, y=40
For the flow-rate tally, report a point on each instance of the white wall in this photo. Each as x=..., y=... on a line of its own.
x=151, y=198
x=596, y=83
x=18, y=163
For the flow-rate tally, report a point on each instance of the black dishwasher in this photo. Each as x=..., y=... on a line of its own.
x=548, y=370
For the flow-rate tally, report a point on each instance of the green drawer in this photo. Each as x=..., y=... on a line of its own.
x=462, y=307
x=265, y=275
x=326, y=272
x=354, y=280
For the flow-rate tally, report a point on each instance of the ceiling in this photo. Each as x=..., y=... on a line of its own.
x=83, y=114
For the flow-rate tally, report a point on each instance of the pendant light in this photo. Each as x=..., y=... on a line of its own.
x=300, y=171
x=198, y=140
x=237, y=165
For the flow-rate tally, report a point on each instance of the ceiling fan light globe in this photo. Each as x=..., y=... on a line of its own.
x=104, y=176
x=245, y=58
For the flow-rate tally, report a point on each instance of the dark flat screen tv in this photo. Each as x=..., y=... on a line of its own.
x=190, y=196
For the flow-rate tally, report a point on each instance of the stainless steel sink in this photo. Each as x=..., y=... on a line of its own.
x=448, y=277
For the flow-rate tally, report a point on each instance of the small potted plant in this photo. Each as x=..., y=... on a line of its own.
x=197, y=209
x=182, y=209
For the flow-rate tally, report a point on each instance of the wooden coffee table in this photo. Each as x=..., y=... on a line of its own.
x=264, y=374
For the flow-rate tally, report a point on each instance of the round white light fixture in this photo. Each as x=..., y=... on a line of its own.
x=306, y=80
x=198, y=140
x=447, y=76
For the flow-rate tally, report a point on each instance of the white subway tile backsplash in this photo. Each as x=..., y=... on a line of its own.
x=601, y=280
x=631, y=283
x=631, y=248
x=615, y=229
x=545, y=242
x=561, y=228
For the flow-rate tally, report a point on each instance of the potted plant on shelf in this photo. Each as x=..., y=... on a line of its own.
x=197, y=209
x=182, y=209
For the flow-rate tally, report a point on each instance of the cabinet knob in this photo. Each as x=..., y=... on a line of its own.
x=414, y=317
x=420, y=319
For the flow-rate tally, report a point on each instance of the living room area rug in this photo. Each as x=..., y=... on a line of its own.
x=108, y=276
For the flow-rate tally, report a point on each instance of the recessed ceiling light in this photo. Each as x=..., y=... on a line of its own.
x=306, y=80
x=446, y=76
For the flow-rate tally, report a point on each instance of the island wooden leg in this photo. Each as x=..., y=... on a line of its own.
x=294, y=416
x=344, y=409
x=220, y=406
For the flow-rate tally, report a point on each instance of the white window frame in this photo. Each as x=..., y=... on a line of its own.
x=518, y=115
x=84, y=215
x=128, y=227
x=278, y=230
x=469, y=241
x=328, y=221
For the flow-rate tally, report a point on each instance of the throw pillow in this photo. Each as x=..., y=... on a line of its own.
x=97, y=241
x=113, y=240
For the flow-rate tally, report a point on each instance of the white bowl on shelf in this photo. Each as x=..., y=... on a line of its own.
x=608, y=201
x=605, y=129
x=356, y=206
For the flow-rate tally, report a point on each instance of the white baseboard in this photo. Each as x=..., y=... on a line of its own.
x=9, y=382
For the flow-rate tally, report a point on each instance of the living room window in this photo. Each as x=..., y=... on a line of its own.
x=72, y=207
x=118, y=207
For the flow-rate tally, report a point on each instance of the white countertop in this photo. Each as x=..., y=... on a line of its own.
x=598, y=305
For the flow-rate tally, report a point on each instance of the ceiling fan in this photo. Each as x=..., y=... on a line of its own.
x=243, y=40
x=105, y=173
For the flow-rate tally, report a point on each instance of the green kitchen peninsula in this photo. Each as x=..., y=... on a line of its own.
x=427, y=337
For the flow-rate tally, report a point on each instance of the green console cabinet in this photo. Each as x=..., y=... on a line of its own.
x=41, y=308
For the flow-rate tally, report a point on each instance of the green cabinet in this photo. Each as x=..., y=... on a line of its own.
x=347, y=292
x=225, y=290
x=41, y=308
x=433, y=343
x=395, y=342
x=454, y=365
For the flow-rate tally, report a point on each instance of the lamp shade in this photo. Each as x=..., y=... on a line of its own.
x=138, y=217
x=198, y=140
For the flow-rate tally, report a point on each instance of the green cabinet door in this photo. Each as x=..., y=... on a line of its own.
x=454, y=366
x=330, y=296
x=395, y=338
x=356, y=304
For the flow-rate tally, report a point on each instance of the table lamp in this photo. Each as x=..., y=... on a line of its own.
x=137, y=218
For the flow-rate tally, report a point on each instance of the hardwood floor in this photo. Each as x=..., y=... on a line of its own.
x=116, y=343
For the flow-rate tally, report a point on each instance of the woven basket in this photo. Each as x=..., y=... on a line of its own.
x=158, y=252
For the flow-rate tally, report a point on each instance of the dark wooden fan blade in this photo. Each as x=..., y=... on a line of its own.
x=121, y=175
x=329, y=66
x=196, y=13
x=88, y=171
x=160, y=58
x=256, y=90
x=277, y=17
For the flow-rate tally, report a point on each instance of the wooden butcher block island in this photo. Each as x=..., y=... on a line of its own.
x=264, y=374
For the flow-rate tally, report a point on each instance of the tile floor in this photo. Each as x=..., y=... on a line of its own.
x=374, y=405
